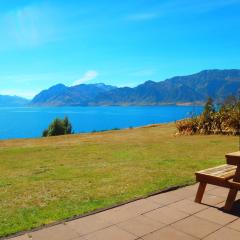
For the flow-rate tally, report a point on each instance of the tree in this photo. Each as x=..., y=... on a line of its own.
x=58, y=127
x=208, y=116
x=67, y=125
x=209, y=108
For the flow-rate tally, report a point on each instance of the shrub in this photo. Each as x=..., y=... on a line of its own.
x=207, y=117
x=224, y=120
x=187, y=126
x=58, y=127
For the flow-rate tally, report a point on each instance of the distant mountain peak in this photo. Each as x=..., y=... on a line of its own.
x=58, y=86
x=61, y=95
x=149, y=82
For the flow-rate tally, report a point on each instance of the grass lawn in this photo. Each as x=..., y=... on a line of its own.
x=44, y=180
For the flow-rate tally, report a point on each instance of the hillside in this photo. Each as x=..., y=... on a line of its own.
x=12, y=101
x=195, y=88
x=49, y=179
x=61, y=95
x=191, y=89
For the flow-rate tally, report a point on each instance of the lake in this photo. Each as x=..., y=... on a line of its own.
x=29, y=122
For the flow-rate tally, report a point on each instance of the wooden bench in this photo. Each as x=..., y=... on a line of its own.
x=220, y=176
x=227, y=176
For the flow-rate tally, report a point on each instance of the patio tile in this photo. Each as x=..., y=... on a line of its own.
x=220, y=192
x=210, y=187
x=58, y=232
x=216, y=215
x=88, y=224
x=188, y=206
x=238, y=195
x=196, y=226
x=223, y=234
x=166, y=198
x=195, y=187
x=166, y=215
x=220, y=205
x=210, y=200
x=117, y=215
x=168, y=233
x=111, y=233
x=140, y=225
x=141, y=206
x=235, y=225
x=79, y=238
x=185, y=192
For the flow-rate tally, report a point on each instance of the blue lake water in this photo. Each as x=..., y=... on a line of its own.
x=29, y=122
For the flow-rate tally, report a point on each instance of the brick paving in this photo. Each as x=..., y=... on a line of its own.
x=167, y=216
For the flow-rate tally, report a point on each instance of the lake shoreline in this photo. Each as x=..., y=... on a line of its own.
x=85, y=134
x=30, y=122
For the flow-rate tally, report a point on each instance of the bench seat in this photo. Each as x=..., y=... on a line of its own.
x=218, y=175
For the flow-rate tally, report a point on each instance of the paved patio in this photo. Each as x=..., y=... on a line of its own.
x=167, y=216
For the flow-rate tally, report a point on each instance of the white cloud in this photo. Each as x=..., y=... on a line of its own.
x=28, y=26
x=89, y=75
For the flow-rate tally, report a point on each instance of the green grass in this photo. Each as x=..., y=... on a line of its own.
x=45, y=180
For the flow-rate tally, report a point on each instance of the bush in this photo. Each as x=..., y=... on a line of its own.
x=224, y=120
x=188, y=126
x=58, y=127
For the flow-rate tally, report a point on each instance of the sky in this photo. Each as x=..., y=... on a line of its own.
x=121, y=43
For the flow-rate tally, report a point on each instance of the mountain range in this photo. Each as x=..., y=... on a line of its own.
x=12, y=101
x=191, y=89
x=182, y=90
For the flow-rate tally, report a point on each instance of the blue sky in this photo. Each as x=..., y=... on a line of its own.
x=121, y=43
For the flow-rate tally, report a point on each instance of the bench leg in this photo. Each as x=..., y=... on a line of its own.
x=230, y=199
x=200, y=192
